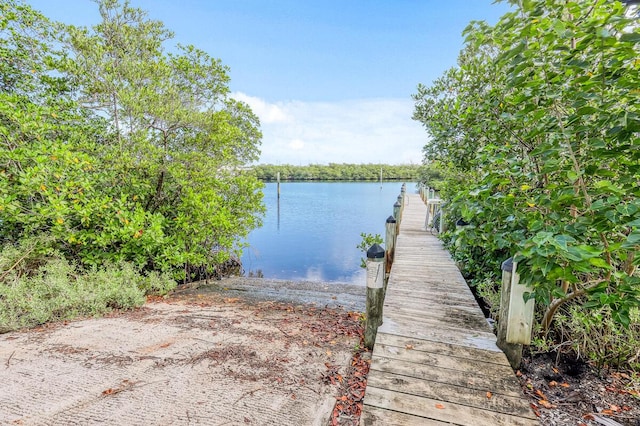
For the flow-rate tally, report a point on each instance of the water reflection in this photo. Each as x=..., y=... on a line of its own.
x=311, y=231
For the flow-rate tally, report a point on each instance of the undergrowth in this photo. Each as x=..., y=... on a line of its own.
x=38, y=285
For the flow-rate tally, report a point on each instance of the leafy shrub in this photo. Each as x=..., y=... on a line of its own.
x=57, y=290
x=539, y=132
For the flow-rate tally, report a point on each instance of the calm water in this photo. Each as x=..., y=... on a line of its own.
x=312, y=233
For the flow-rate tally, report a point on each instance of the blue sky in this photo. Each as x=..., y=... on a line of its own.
x=330, y=80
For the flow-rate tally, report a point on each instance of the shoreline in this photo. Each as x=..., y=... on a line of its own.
x=325, y=294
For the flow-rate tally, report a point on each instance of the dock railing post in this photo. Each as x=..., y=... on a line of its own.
x=396, y=214
x=516, y=316
x=375, y=294
x=443, y=223
x=389, y=243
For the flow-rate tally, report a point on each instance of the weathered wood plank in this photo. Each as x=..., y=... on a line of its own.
x=463, y=365
x=457, y=316
x=494, y=354
x=443, y=411
x=445, y=392
x=464, y=322
x=396, y=298
x=435, y=297
x=442, y=336
x=504, y=385
x=379, y=416
x=394, y=323
x=422, y=305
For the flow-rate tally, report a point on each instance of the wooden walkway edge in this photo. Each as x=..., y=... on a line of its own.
x=435, y=360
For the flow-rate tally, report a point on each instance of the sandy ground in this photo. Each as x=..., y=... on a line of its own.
x=230, y=354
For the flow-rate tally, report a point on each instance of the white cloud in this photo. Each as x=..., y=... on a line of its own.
x=296, y=144
x=355, y=131
x=268, y=113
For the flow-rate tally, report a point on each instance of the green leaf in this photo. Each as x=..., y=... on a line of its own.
x=635, y=222
x=633, y=240
x=621, y=317
x=586, y=110
x=630, y=37
x=599, y=263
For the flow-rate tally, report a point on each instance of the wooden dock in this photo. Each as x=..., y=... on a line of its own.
x=435, y=359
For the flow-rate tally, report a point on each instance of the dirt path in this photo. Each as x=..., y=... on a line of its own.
x=216, y=358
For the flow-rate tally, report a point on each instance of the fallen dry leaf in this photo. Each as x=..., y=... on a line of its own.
x=439, y=406
x=409, y=347
x=553, y=383
x=534, y=407
x=546, y=404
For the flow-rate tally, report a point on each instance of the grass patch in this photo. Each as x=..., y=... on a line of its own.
x=40, y=287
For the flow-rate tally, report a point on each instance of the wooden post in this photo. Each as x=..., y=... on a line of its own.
x=516, y=316
x=401, y=201
x=396, y=212
x=375, y=294
x=389, y=243
x=443, y=223
x=520, y=318
x=278, y=178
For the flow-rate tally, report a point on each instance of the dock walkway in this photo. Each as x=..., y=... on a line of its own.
x=435, y=359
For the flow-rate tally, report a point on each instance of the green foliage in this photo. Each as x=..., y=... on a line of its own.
x=136, y=156
x=600, y=338
x=365, y=244
x=117, y=156
x=38, y=286
x=539, y=130
x=333, y=171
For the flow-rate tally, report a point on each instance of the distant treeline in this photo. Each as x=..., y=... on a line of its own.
x=334, y=171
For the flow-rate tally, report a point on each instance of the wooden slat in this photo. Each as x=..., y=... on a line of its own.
x=435, y=409
x=464, y=365
x=461, y=395
x=502, y=385
x=495, y=355
x=435, y=360
x=380, y=416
